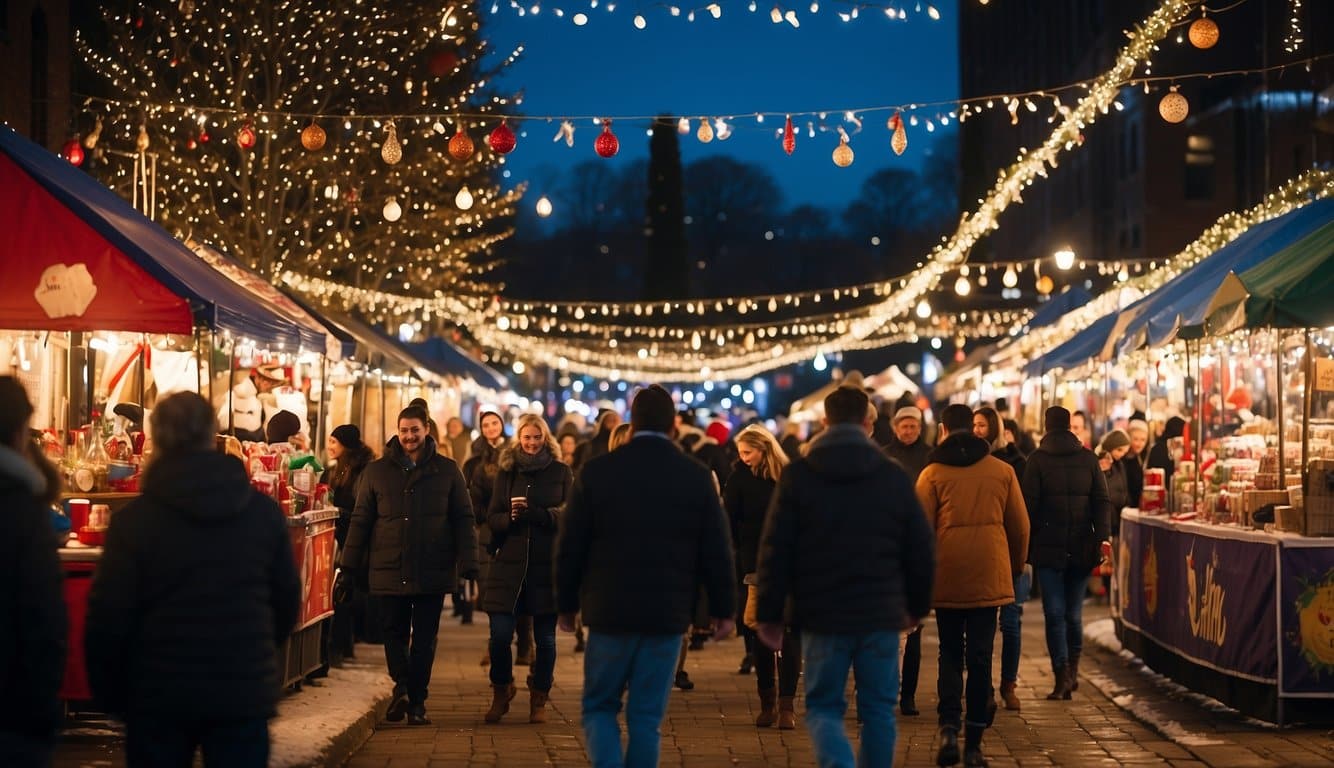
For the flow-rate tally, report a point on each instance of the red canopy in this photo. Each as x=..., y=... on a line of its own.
x=60, y=274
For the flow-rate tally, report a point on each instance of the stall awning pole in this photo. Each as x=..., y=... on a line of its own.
x=1307, y=383
x=1278, y=398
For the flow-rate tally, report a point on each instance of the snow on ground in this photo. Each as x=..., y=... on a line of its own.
x=308, y=721
x=1103, y=633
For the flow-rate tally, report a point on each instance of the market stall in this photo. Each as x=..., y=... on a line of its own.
x=96, y=296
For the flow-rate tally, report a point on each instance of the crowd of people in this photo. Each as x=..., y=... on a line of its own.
x=644, y=539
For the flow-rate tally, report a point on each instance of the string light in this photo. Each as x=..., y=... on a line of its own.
x=1293, y=40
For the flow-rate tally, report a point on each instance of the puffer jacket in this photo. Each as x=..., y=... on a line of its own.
x=974, y=504
x=195, y=590
x=846, y=539
x=746, y=499
x=1067, y=503
x=412, y=525
x=480, y=471
x=525, y=559
x=912, y=457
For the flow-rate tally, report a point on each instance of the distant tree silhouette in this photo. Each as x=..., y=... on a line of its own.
x=667, y=262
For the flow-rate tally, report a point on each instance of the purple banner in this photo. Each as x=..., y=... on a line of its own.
x=1210, y=599
x=1307, y=601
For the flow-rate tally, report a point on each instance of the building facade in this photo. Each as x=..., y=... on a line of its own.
x=36, y=57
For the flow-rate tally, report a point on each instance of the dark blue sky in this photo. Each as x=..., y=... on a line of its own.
x=740, y=63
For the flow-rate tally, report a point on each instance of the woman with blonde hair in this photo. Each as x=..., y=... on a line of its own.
x=746, y=499
x=531, y=489
x=619, y=436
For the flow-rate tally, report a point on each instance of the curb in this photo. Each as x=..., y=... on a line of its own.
x=353, y=737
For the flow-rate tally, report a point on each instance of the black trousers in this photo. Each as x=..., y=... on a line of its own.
x=788, y=664
x=912, y=665
x=411, y=623
x=163, y=743
x=967, y=637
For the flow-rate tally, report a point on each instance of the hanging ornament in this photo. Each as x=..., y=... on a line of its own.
x=391, y=151
x=705, y=133
x=502, y=139
x=1174, y=106
x=313, y=137
x=392, y=210
x=141, y=142
x=246, y=136
x=191, y=144
x=73, y=151
x=463, y=199
x=789, y=136
x=90, y=141
x=962, y=286
x=566, y=132
x=543, y=206
x=442, y=63
x=1011, y=278
x=187, y=8
x=460, y=146
x=1045, y=285
x=842, y=153
x=1203, y=33
x=683, y=126
x=606, y=144
x=899, y=141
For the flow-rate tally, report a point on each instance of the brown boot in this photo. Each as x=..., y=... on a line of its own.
x=1061, y=689
x=1008, y=695
x=537, y=706
x=768, y=709
x=501, y=695
x=1074, y=672
x=787, y=716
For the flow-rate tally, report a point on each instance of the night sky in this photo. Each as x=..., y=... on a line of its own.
x=740, y=63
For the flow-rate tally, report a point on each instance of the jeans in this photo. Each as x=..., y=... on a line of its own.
x=1062, y=609
x=411, y=623
x=788, y=665
x=912, y=665
x=645, y=665
x=1011, y=626
x=162, y=743
x=874, y=659
x=967, y=638
x=503, y=626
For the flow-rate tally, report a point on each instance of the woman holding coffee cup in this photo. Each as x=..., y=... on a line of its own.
x=529, y=495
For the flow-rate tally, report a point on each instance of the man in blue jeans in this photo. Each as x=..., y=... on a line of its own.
x=643, y=531
x=846, y=541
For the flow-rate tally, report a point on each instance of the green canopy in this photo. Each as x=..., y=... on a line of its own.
x=1294, y=288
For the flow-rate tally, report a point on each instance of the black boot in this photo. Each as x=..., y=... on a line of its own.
x=972, y=746
x=1061, y=686
x=747, y=664
x=948, y=752
x=1074, y=672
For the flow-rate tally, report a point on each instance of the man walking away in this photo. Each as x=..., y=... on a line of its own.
x=411, y=529
x=1068, y=507
x=974, y=504
x=195, y=591
x=846, y=539
x=643, y=530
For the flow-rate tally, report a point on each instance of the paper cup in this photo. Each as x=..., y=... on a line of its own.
x=78, y=513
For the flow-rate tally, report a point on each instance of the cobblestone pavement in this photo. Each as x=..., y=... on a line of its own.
x=713, y=724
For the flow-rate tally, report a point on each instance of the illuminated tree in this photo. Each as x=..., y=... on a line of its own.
x=226, y=93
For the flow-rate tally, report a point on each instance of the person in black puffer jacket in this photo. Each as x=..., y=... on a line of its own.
x=1068, y=509
x=412, y=532
x=350, y=456
x=519, y=581
x=746, y=498
x=32, y=618
x=195, y=591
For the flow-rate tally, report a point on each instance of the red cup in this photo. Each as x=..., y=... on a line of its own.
x=78, y=513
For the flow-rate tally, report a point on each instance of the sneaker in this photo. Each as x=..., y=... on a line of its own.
x=747, y=664
x=683, y=681
x=398, y=706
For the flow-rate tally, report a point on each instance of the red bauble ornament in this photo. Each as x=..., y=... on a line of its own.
x=246, y=136
x=606, y=144
x=442, y=63
x=203, y=137
x=502, y=139
x=789, y=136
x=73, y=151
x=190, y=142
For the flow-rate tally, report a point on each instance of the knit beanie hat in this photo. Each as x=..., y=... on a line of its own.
x=282, y=426
x=349, y=435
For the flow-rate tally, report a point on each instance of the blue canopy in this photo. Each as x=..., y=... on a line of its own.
x=442, y=352
x=1184, y=300
x=1070, y=299
x=1076, y=350
x=214, y=300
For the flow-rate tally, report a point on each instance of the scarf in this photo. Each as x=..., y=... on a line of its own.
x=532, y=463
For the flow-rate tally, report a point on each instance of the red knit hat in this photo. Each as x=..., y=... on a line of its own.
x=718, y=430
